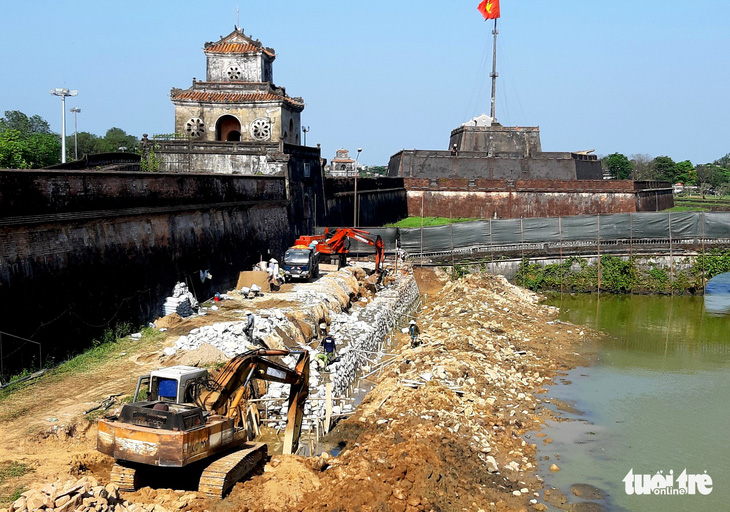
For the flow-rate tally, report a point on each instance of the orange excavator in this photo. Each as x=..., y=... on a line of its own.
x=332, y=244
x=188, y=420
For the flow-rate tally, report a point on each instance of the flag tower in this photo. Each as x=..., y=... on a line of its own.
x=490, y=11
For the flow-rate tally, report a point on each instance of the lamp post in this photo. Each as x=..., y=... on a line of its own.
x=76, y=110
x=354, y=213
x=305, y=129
x=63, y=93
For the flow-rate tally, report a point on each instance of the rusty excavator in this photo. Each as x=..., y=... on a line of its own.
x=188, y=419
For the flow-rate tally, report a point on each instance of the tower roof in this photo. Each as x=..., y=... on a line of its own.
x=237, y=42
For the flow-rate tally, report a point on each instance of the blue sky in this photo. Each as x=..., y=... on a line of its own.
x=633, y=77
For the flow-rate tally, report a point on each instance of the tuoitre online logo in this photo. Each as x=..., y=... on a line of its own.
x=661, y=484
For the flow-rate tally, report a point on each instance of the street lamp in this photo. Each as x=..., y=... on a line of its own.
x=305, y=129
x=76, y=110
x=354, y=213
x=63, y=93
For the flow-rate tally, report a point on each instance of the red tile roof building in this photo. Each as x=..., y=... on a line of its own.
x=238, y=101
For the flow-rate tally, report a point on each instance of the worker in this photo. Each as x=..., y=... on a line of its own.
x=248, y=330
x=414, y=331
x=273, y=271
x=328, y=344
x=322, y=329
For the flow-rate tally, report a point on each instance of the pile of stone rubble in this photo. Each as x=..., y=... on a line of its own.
x=83, y=494
x=182, y=302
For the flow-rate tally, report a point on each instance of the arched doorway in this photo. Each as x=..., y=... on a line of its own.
x=228, y=128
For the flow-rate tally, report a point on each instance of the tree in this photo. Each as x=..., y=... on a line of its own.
x=16, y=120
x=618, y=165
x=643, y=168
x=88, y=143
x=666, y=169
x=710, y=176
x=11, y=150
x=723, y=162
x=117, y=138
x=685, y=172
x=28, y=152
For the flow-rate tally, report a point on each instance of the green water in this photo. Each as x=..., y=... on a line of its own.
x=656, y=400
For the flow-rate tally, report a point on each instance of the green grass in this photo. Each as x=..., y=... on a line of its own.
x=12, y=497
x=99, y=354
x=697, y=203
x=415, y=222
x=13, y=470
x=10, y=470
x=103, y=352
x=688, y=209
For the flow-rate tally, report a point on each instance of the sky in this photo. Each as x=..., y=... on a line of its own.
x=649, y=77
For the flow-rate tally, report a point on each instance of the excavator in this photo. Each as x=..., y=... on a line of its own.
x=302, y=259
x=189, y=419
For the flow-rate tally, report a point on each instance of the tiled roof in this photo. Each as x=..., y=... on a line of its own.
x=237, y=48
x=231, y=97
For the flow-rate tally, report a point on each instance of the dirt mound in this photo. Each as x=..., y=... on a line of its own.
x=204, y=355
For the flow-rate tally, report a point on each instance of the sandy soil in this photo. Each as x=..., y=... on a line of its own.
x=443, y=429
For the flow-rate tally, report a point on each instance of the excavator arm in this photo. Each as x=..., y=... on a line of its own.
x=336, y=244
x=231, y=383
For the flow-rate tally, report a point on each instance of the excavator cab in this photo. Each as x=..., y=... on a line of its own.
x=175, y=384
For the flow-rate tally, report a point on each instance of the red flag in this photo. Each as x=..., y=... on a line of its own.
x=489, y=9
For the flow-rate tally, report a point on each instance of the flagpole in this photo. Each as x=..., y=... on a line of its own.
x=494, y=73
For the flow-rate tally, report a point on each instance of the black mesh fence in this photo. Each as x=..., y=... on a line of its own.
x=496, y=235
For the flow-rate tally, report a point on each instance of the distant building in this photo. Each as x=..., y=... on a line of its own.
x=238, y=100
x=495, y=171
x=236, y=121
x=342, y=165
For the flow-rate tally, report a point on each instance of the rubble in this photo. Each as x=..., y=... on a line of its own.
x=85, y=494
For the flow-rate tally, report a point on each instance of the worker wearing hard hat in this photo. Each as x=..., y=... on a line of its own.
x=273, y=272
x=413, y=331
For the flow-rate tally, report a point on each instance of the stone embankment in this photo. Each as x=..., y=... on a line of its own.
x=359, y=328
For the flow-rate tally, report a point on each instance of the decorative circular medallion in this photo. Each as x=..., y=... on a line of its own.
x=234, y=73
x=261, y=129
x=195, y=127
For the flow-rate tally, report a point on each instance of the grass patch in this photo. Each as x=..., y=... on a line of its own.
x=13, y=470
x=688, y=209
x=108, y=349
x=12, y=497
x=416, y=222
x=104, y=351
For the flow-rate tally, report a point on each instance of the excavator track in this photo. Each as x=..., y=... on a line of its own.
x=223, y=474
x=125, y=477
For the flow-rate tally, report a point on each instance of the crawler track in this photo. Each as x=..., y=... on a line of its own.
x=222, y=474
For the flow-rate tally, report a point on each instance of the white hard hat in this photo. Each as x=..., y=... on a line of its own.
x=323, y=325
x=273, y=260
x=247, y=312
x=413, y=322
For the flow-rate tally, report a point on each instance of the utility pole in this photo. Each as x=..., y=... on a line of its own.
x=76, y=110
x=63, y=93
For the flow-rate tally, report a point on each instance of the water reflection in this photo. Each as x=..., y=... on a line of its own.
x=654, y=401
x=651, y=325
x=717, y=295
